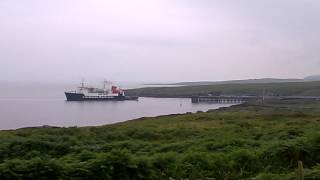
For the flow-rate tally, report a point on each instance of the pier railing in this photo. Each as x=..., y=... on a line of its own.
x=242, y=99
x=223, y=99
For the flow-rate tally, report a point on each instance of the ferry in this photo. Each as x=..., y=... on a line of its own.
x=85, y=93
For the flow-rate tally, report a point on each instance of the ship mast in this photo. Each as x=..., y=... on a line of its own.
x=106, y=84
x=82, y=83
x=82, y=87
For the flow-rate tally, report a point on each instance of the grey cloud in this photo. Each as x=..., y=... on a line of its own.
x=158, y=40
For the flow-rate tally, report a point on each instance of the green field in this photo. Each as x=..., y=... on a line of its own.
x=272, y=89
x=251, y=141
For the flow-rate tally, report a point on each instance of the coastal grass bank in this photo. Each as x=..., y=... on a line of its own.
x=248, y=141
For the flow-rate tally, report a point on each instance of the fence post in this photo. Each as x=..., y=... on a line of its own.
x=300, y=170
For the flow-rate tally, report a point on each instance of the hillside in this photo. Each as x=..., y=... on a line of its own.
x=313, y=78
x=274, y=89
x=246, y=81
x=243, y=142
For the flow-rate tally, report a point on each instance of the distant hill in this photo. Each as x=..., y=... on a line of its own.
x=247, y=81
x=305, y=88
x=313, y=78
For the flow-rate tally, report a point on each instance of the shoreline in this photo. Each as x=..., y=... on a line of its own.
x=245, y=141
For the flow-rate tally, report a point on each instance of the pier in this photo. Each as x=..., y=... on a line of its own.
x=223, y=99
x=242, y=99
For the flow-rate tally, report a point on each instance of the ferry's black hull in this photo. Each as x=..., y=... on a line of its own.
x=71, y=96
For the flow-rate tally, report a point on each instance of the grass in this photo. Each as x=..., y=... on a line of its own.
x=259, y=141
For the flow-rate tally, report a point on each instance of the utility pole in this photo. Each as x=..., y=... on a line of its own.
x=263, y=95
x=300, y=170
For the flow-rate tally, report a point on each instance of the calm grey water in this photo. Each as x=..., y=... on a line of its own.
x=37, y=105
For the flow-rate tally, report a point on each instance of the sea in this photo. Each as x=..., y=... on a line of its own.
x=44, y=104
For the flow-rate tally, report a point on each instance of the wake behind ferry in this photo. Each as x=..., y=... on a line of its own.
x=84, y=93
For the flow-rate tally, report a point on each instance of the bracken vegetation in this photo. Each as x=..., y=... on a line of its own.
x=250, y=141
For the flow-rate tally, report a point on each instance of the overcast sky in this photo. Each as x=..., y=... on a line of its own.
x=158, y=40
